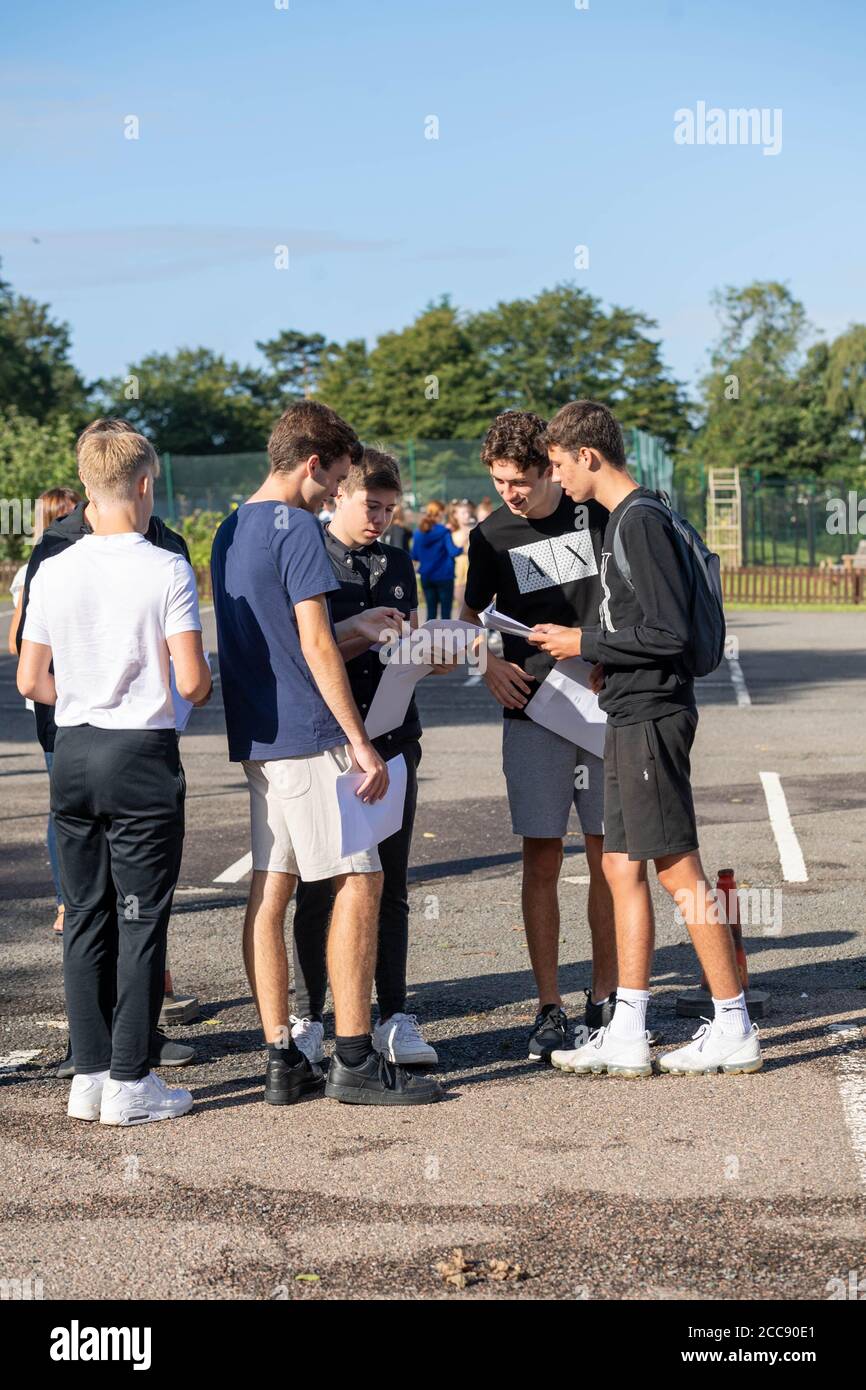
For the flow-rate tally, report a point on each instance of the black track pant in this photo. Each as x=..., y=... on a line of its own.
x=313, y=912
x=117, y=796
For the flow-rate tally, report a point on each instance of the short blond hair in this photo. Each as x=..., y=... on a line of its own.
x=110, y=464
x=110, y=424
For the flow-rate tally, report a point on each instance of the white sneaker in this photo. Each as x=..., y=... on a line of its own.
x=140, y=1102
x=616, y=1056
x=309, y=1038
x=712, y=1050
x=85, y=1096
x=400, y=1040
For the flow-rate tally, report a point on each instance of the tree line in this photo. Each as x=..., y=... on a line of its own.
x=776, y=396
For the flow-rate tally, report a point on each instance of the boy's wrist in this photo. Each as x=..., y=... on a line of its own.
x=589, y=643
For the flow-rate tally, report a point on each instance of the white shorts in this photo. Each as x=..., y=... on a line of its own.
x=295, y=820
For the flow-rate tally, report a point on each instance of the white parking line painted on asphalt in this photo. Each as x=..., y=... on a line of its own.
x=236, y=871
x=738, y=680
x=851, y=1075
x=790, y=853
x=576, y=878
x=13, y=1060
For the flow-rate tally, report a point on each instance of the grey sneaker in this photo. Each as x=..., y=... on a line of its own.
x=548, y=1033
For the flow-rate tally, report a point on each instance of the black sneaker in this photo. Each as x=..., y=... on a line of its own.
x=598, y=1015
x=163, y=1053
x=284, y=1084
x=379, y=1082
x=548, y=1034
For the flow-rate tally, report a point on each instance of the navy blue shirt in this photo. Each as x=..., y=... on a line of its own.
x=267, y=557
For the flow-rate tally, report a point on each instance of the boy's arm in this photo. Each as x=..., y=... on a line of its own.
x=661, y=588
x=35, y=681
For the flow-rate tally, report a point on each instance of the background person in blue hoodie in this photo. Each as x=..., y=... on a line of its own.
x=435, y=551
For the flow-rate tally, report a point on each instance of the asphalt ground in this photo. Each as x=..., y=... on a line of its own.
x=597, y=1188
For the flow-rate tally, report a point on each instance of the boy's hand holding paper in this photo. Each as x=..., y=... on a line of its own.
x=560, y=642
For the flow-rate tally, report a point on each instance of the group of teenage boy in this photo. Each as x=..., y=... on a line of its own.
x=301, y=611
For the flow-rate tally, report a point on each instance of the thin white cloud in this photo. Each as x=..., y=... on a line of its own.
x=91, y=257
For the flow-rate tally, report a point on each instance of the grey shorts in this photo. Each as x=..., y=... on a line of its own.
x=546, y=775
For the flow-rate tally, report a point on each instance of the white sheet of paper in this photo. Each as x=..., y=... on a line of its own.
x=367, y=824
x=182, y=708
x=500, y=622
x=402, y=673
x=565, y=704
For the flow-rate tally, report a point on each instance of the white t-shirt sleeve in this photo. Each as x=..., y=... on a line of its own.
x=18, y=584
x=181, y=610
x=35, y=624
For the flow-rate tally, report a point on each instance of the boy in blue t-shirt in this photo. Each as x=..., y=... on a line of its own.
x=294, y=725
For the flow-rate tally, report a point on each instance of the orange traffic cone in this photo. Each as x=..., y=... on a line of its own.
x=698, y=1003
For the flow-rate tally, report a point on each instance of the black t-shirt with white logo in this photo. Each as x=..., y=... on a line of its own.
x=539, y=571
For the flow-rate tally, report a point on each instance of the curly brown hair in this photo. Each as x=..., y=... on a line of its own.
x=587, y=425
x=515, y=436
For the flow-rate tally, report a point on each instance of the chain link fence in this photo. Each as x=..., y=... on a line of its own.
x=431, y=469
x=785, y=521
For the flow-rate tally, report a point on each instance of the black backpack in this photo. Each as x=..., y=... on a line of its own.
x=707, y=612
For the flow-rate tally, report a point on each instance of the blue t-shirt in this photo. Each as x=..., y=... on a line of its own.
x=267, y=557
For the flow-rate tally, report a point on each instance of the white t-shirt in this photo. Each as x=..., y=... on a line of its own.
x=105, y=606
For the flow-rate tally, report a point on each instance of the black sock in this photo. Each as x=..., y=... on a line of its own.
x=354, y=1051
x=291, y=1055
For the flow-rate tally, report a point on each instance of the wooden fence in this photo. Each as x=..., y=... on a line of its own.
x=762, y=585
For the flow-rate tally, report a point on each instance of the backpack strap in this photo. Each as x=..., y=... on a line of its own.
x=619, y=554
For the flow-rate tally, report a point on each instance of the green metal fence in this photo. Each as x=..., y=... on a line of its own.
x=441, y=469
x=784, y=520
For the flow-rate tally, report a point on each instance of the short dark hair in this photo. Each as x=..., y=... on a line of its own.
x=516, y=435
x=374, y=469
x=309, y=427
x=587, y=425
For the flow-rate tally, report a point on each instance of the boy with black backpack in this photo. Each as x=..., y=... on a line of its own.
x=661, y=624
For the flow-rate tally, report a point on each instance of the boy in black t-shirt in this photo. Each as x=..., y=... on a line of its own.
x=538, y=555
x=642, y=642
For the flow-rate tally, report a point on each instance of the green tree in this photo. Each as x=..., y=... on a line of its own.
x=846, y=383
x=36, y=375
x=296, y=361
x=755, y=399
x=563, y=345
x=33, y=457
x=195, y=402
x=424, y=381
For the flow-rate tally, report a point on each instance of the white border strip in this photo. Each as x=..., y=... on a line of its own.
x=790, y=853
x=738, y=680
x=14, y=1060
x=235, y=872
x=851, y=1078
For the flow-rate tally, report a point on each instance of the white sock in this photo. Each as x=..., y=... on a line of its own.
x=732, y=1016
x=629, y=1016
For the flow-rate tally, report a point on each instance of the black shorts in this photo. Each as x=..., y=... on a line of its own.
x=648, y=806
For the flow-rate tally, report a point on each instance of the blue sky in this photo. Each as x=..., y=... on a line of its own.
x=305, y=127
